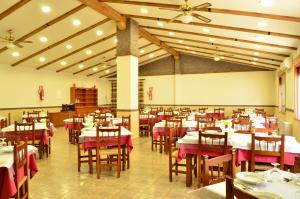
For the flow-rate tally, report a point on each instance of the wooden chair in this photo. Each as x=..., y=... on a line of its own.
x=259, y=110
x=227, y=168
x=201, y=124
x=168, y=114
x=208, y=142
x=202, y=110
x=26, y=132
x=3, y=123
x=241, y=110
x=244, y=117
x=31, y=116
x=77, y=126
x=218, y=112
x=242, y=126
x=126, y=122
x=101, y=120
x=267, y=146
x=46, y=120
x=21, y=176
x=144, y=126
x=170, y=124
x=201, y=117
x=105, y=137
x=234, y=192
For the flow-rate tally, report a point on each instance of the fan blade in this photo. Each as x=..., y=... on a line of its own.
x=19, y=45
x=200, y=17
x=29, y=42
x=171, y=20
x=171, y=9
x=204, y=5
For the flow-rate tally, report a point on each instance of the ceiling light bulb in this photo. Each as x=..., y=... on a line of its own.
x=99, y=32
x=107, y=71
x=180, y=41
x=69, y=46
x=257, y=46
x=46, y=9
x=63, y=63
x=42, y=59
x=151, y=55
x=159, y=23
x=95, y=69
x=253, y=63
x=88, y=52
x=193, y=52
x=217, y=58
x=211, y=39
x=222, y=57
x=266, y=3
x=171, y=33
x=205, y=29
x=116, y=40
x=259, y=38
x=43, y=39
x=187, y=47
x=15, y=54
x=10, y=45
x=142, y=51
x=76, y=22
x=144, y=10
x=256, y=53
x=255, y=59
x=187, y=18
x=80, y=66
x=262, y=24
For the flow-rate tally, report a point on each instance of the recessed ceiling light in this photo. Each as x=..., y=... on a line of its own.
x=144, y=10
x=142, y=51
x=193, y=52
x=151, y=55
x=63, y=63
x=15, y=54
x=116, y=40
x=99, y=32
x=253, y=62
x=159, y=23
x=205, y=29
x=80, y=66
x=171, y=33
x=76, y=22
x=255, y=59
x=257, y=46
x=259, y=38
x=42, y=59
x=211, y=39
x=44, y=39
x=104, y=66
x=88, y=52
x=107, y=71
x=187, y=47
x=266, y=3
x=95, y=69
x=69, y=46
x=180, y=41
x=256, y=53
x=222, y=57
x=262, y=24
x=46, y=9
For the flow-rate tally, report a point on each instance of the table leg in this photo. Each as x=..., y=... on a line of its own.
x=188, y=170
x=160, y=143
x=123, y=157
x=243, y=166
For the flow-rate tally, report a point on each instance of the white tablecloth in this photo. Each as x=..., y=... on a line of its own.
x=37, y=126
x=40, y=115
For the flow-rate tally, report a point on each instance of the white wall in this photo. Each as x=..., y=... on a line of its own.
x=19, y=87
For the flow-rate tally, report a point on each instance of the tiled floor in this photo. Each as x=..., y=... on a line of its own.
x=147, y=178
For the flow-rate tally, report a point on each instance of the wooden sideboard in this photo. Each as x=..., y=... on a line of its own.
x=57, y=118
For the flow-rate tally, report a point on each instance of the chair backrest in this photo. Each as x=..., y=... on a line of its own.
x=25, y=131
x=33, y=114
x=261, y=114
x=21, y=169
x=259, y=110
x=77, y=122
x=202, y=110
x=168, y=114
x=226, y=162
x=234, y=192
x=108, y=137
x=242, y=126
x=201, y=117
x=241, y=110
x=219, y=110
x=126, y=122
x=201, y=124
x=144, y=116
x=100, y=119
x=210, y=142
x=244, y=117
x=267, y=146
x=3, y=123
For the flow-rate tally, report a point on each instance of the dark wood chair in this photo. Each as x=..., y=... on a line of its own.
x=234, y=192
x=259, y=110
x=3, y=123
x=168, y=114
x=144, y=125
x=202, y=124
x=202, y=110
x=267, y=146
x=170, y=123
x=126, y=122
x=242, y=126
x=21, y=176
x=46, y=120
x=77, y=126
x=241, y=110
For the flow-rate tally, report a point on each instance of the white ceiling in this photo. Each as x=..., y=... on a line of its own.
x=29, y=17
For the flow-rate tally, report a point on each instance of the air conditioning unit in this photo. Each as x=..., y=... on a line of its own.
x=286, y=64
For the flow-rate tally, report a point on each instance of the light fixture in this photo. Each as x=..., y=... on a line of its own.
x=255, y=59
x=253, y=62
x=266, y=3
x=187, y=47
x=211, y=39
x=104, y=66
x=63, y=63
x=151, y=55
x=10, y=45
x=257, y=46
x=159, y=23
x=46, y=9
x=80, y=66
x=42, y=59
x=193, y=52
x=180, y=41
x=43, y=39
x=76, y=22
x=262, y=24
x=99, y=32
x=142, y=51
x=69, y=46
x=15, y=54
x=88, y=52
x=187, y=18
x=171, y=33
x=256, y=53
x=107, y=71
x=144, y=10
x=259, y=38
x=95, y=69
x=222, y=57
x=205, y=29
x=116, y=40
x=217, y=58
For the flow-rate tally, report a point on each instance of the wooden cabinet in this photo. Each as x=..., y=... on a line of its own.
x=84, y=97
x=58, y=118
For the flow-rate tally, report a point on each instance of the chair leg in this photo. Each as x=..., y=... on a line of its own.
x=123, y=158
x=160, y=144
x=128, y=160
x=119, y=166
x=170, y=168
x=90, y=153
x=98, y=166
x=78, y=157
x=199, y=178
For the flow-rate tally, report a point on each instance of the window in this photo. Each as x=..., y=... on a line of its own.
x=297, y=87
x=281, y=93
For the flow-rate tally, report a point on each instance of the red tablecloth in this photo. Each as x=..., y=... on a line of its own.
x=40, y=134
x=7, y=183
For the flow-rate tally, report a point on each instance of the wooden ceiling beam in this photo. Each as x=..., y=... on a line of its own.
x=76, y=51
x=86, y=59
x=107, y=11
x=212, y=10
x=235, y=58
x=221, y=45
x=48, y=24
x=224, y=51
x=13, y=8
x=222, y=37
x=239, y=29
x=60, y=42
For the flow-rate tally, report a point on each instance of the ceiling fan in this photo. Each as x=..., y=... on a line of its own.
x=10, y=41
x=188, y=12
x=219, y=55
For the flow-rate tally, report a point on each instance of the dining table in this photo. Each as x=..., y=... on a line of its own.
x=273, y=184
x=7, y=183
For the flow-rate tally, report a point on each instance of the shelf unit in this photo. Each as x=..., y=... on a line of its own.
x=84, y=97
